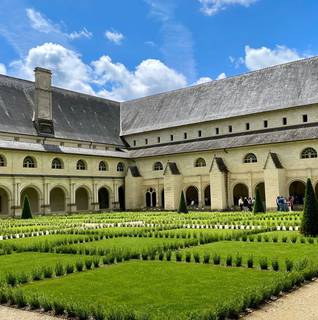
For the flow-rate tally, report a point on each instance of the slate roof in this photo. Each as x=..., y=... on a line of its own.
x=134, y=171
x=276, y=161
x=279, y=87
x=173, y=168
x=221, y=165
x=286, y=135
x=76, y=116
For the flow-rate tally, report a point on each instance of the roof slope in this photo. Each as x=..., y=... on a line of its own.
x=76, y=116
x=274, y=88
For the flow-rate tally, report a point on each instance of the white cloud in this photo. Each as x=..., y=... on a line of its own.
x=68, y=69
x=114, y=36
x=149, y=77
x=258, y=58
x=221, y=76
x=39, y=22
x=212, y=7
x=203, y=80
x=3, y=69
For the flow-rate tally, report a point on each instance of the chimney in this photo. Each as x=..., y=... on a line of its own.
x=43, y=118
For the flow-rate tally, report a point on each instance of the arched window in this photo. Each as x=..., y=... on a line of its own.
x=29, y=162
x=200, y=162
x=120, y=167
x=309, y=153
x=250, y=158
x=158, y=166
x=57, y=164
x=2, y=161
x=102, y=166
x=81, y=165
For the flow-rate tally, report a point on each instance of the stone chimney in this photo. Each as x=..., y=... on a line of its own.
x=43, y=118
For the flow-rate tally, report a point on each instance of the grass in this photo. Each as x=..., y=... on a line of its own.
x=164, y=289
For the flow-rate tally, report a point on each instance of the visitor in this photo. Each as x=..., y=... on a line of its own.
x=245, y=204
x=281, y=204
x=250, y=204
x=291, y=200
x=240, y=203
x=277, y=202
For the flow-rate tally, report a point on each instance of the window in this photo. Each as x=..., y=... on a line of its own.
x=158, y=139
x=102, y=166
x=230, y=129
x=57, y=164
x=305, y=118
x=79, y=145
x=284, y=121
x=171, y=137
x=309, y=153
x=185, y=136
x=247, y=126
x=120, y=167
x=61, y=144
x=217, y=130
x=29, y=162
x=146, y=141
x=81, y=165
x=265, y=123
x=2, y=161
x=200, y=162
x=157, y=166
x=199, y=133
x=250, y=158
x=134, y=143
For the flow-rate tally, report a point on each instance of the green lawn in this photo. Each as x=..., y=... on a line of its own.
x=167, y=290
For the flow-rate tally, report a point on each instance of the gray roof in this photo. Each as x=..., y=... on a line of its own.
x=286, y=135
x=173, y=168
x=76, y=116
x=279, y=87
x=221, y=165
x=134, y=171
x=276, y=161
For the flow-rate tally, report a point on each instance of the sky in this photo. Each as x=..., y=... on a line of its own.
x=126, y=49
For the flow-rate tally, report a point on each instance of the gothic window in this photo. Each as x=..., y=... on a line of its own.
x=157, y=166
x=200, y=162
x=29, y=162
x=2, y=161
x=102, y=166
x=250, y=158
x=81, y=165
x=57, y=164
x=120, y=167
x=309, y=153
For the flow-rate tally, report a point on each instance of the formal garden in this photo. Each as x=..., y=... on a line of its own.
x=156, y=265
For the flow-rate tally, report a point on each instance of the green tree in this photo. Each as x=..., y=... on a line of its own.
x=182, y=205
x=309, y=223
x=258, y=205
x=26, y=211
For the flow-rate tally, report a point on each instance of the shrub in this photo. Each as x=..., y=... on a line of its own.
x=266, y=238
x=79, y=265
x=178, y=256
x=275, y=265
x=311, y=240
x=59, y=270
x=69, y=268
x=88, y=264
x=289, y=265
x=284, y=239
x=36, y=275
x=229, y=261
x=144, y=255
x=309, y=222
x=294, y=238
x=196, y=257
x=250, y=262
x=23, y=278
x=26, y=211
x=47, y=272
x=96, y=261
x=182, y=205
x=11, y=279
x=168, y=255
x=161, y=255
x=259, y=238
x=216, y=259
x=263, y=263
x=206, y=258
x=275, y=238
x=58, y=307
x=258, y=205
x=238, y=260
x=34, y=302
x=19, y=299
x=188, y=257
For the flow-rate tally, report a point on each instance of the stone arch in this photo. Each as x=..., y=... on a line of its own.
x=82, y=196
x=239, y=190
x=4, y=201
x=103, y=198
x=192, y=196
x=121, y=197
x=57, y=199
x=33, y=195
x=297, y=190
x=207, y=196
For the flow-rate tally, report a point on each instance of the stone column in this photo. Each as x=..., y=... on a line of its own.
x=72, y=204
x=94, y=202
x=45, y=202
x=16, y=203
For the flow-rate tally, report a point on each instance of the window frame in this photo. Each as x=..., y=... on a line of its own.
x=250, y=158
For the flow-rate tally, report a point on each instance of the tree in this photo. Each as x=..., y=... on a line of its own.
x=26, y=211
x=182, y=206
x=258, y=205
x=309, y=223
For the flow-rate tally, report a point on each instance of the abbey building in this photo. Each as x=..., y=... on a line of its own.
x=216, y=141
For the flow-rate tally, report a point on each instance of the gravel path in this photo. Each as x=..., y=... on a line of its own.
x=297, y=305
x=7, y=313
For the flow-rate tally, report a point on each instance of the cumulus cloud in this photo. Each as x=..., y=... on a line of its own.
x=3, y=69
x=202, y=80
x=221, y=76
x=258, y=58
x=114, y=36
x=212, y=7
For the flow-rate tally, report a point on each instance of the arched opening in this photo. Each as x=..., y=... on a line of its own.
x=261, y=188
x=57, y=163
x=81, y=199
x=57, y=200
x=157, y=166
x=240, y=190
x=102, y=166
x=250, y=158
x=151, y=198
x=200, y=162
x=33, y=197
x=120, y=167
x=121, y=197
x=207, y=196
x=163, y=198
x=103, y=198
x=4, y=202
x=192, y=196
x=29, y=162
x=297, y=190
x=81, y=165
x=148, y=199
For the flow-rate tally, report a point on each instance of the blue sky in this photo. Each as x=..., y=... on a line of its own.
x=125, y=49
